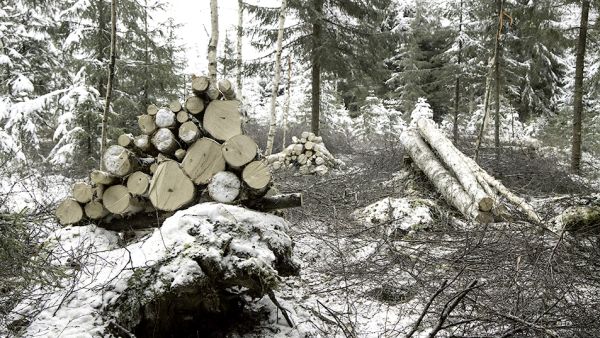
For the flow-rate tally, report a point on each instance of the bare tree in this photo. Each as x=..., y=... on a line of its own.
x=111, y=75
x=276, y=78
x=457, y=85
x=286, y=105
x=214, y=39
x=239, y=64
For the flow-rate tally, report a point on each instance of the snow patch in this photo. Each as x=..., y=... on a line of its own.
x=402, y=215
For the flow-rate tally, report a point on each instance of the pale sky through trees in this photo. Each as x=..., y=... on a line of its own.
x=194, y=16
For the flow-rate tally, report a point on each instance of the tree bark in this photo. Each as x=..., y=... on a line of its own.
x=317, y=27
x=497, y=52
x=275, y=202
x=578, y=97
x=239, y=63
x=451, y=157
x=276, y=79
x=457, y=84
x=286, y=105
x=214, y=39
x=444, y=182
x=111, y=75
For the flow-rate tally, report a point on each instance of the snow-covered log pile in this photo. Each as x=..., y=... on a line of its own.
x=205, y=263
x=308, y=154
x=462, y=182
x=182, y=154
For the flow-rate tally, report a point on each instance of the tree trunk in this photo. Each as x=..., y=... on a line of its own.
x=171, y=189
x=224, y=187
x=276, y=79
x=146, y=124
x=165, y=118
x=239, y=63
x=444, y=182
x=578, y=97
x=111, y=75
x=214, y=39
x=486, y=113
x=451, y=157
x=286, y=105
x=497, y=56
x=102, y=177
x=457, y=84
x=316, y=65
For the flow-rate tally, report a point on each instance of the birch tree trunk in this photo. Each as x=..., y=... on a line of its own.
x=111, y=75
x=276, y=79
x=486, y=104
x=214, y=39
x=578, y=99
x=286, y=105
x=239, y=63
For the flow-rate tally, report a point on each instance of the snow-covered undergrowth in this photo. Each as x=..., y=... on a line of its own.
x=195, y=255
x=18, y=192
x=399, y=216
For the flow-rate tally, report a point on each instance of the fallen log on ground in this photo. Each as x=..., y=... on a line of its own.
x=461, y=181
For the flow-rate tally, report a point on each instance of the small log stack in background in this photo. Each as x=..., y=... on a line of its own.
x=182, y=155
x=307, y=153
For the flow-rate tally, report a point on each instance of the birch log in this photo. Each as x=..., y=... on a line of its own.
x=146, y=124
x=118, y=200
x=82, y=192
x=214, y=40
x=224, y=187
x=451, y=157
x=194, y=105
x=119, y=161
x=239, y=150
x=171, y=189
x=203, y=160
x=443, y=181
x=69, y=212
x=222, y=119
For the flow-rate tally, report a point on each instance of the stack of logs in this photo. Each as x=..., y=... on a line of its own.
x=462, y=182
x=183, y=154
x=307, y=153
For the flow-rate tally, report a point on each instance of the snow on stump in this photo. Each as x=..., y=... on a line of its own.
x=205, y=263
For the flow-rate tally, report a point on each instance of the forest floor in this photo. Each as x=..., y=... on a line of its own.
x=377, y=243
x=382, y=255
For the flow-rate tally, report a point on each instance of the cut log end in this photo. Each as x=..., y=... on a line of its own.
x=118, y=200
x=203, y=160
x=171, y=189
x=239, y=150
x=119, y=161
x=194, y=105
x=224, y=187
x=95, y=210
x=82, y=192
x=223, y=120
x=69, y=212
x=257, y=175
x=138, y=183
